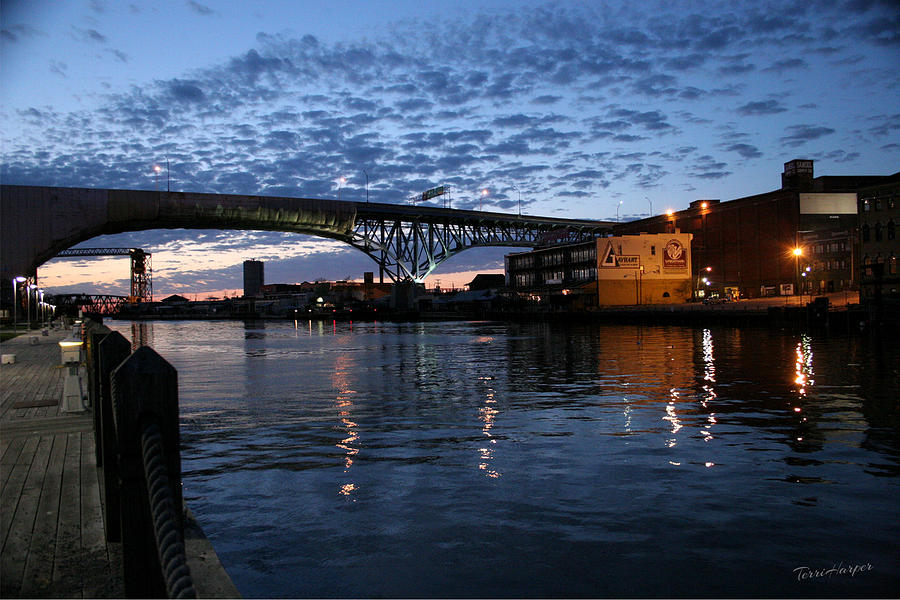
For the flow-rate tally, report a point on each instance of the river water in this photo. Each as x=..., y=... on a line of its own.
x=482, y=459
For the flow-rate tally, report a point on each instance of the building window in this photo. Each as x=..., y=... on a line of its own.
x=866, y=235
x=652, y=250
x=878, y=204
x=891, y=230
x=892, y=264
x=866, y=205
x=878, y=231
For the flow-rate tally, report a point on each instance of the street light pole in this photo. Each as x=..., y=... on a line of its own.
x=797, y=253
x=617, y=210
x=340, y=185
x=520, y=198
x=651, y=206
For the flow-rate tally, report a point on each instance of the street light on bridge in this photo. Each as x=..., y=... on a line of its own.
x=341, y=181
x=484, y=194
x=157, y=169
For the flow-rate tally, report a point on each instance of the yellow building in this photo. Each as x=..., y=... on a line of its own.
x=644, y=269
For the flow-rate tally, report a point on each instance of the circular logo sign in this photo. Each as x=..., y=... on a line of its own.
x=674, y=250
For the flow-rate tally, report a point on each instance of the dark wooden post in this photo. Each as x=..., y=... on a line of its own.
x=144, y=390
x=110, y=353
x=94, y=334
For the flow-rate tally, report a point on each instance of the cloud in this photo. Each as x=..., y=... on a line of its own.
x=200, y=9
x=90, y=35
x=780, y=66
x=14, y=33
x=745, y=150
x=797, y=135
x=764, y=107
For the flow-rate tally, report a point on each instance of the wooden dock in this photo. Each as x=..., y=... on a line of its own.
x=51, y=522
x=51, y=518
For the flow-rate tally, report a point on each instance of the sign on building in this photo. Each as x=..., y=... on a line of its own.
x=674, y=256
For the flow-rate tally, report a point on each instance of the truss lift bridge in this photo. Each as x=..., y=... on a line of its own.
x=141, y=270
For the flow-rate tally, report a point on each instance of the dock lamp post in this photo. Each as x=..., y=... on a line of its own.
x=16, y=281
x=798, y=252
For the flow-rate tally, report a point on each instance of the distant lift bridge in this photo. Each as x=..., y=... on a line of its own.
x=141, y=279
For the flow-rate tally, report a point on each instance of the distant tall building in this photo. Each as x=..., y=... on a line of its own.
x=254, y=277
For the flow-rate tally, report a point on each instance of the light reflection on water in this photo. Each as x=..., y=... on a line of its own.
x=498, y=460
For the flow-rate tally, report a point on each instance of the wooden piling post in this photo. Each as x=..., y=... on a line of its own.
x=111, y=352
x=144, y=391
x=94, y=334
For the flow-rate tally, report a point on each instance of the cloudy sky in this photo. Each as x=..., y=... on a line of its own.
x=578, y=109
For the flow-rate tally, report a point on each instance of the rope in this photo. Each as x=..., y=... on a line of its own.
x=169, y=541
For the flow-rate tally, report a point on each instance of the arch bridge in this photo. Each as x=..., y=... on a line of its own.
x=407, y=242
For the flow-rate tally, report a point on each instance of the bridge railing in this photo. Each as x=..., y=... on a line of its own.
x=134, y=397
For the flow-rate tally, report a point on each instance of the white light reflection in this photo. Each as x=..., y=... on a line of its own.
x=487, y=415
x=672, y=417
x=341, y=381
x=709, y=376
x=803, y=366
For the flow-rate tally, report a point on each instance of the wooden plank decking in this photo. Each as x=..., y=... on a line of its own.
x=51, y=519
x=52, y=534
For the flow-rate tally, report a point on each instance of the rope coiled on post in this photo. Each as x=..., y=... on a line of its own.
x=169, y=540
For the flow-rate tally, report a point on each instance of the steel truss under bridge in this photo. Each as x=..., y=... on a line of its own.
x=409, y=242
x=89, y=303
x=141, y=271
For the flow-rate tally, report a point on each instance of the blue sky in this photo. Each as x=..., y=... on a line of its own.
x=577, y=106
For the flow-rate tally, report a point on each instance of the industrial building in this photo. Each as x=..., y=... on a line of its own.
x=801, y=237
x=254, y=277
x=610, y=271
x=879, y=215
x=762, y=245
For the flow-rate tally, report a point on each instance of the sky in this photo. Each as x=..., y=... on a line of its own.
x=598, y=110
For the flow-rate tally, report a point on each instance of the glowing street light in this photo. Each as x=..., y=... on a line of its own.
x=798, y=252
x=484, y=194
x=157, y=169
x=341, y=181
x=617, y=210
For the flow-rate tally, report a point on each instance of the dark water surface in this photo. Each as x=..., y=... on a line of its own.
x=538, y=460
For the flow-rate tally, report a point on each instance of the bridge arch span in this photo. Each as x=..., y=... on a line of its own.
x=40, y=222
x=407, y=242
